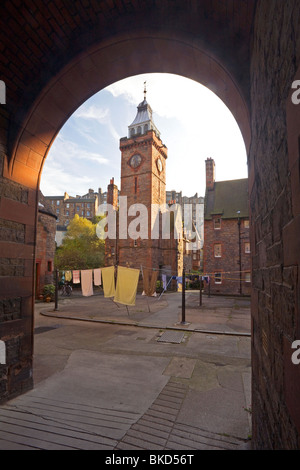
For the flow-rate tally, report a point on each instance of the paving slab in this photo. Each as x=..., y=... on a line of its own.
x=104, y=381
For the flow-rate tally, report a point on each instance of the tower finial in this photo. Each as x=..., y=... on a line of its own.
x=145, y=91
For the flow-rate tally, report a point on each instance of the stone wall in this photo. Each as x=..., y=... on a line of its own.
x=45, y=250
x=275, y=295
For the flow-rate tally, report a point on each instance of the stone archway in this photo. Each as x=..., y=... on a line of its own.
x=91, y=71
x=55, y=55
x=101, y=66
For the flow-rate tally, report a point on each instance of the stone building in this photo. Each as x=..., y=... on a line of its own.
x=193, y=247
x=143, y=182
x=226, y=235
x=45, y=245
x=65, y=207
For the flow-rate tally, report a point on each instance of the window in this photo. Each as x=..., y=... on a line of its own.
x=217, y=250
x=135, y=184
x=57, y=211
x=67, y=212
x=78, y=208
x=218, y=278
x=247, y=247
x=246, y=223
x=88, y=213
x=68, y=205
x=247, y=277
x=217, y=224
x=49, y=265
x=57, y=203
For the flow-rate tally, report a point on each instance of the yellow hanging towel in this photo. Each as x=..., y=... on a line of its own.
x=108, y=281
x=127, y=282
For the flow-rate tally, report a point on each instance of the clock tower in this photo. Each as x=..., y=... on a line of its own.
x=143, y=181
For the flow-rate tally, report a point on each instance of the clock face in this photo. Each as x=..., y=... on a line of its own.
x=135, y=161
x=159, y=164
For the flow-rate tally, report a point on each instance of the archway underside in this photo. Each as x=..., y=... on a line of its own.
x=97, y=69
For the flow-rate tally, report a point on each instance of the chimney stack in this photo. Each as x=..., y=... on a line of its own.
x=112, y=194
x=210, y=173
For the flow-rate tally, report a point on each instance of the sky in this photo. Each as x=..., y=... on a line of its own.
x=194, y=125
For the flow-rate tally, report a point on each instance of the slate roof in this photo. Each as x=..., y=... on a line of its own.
x=226, y=199
x=144, y=114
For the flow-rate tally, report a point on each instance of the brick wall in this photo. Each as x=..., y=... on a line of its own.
x=45, y=250
x=232, y=264
x=274, y=233
x=17, y=240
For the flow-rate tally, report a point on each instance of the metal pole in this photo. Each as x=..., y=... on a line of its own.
x=240, y=259
x=200, y=284
x=56, y=290
x=183, y=297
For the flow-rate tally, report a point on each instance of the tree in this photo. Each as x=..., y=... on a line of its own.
x=81, y=248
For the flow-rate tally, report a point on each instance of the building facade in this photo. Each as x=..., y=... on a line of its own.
x=193, y=247
x=65, y=207
x=45, y=246
x=226, y=235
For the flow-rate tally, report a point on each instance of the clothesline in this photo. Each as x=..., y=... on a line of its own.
x=167, y=271
x=123, y=289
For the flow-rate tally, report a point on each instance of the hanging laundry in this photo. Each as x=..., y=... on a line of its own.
x=164, y=280
x=152, y=283
x=127, y=282
x=97, y=277
x=87, y=282
x=68, y=276
x=108, y=280
x=149, y=282
x=76, y=277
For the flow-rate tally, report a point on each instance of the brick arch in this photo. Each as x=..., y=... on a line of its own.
x=101, y=66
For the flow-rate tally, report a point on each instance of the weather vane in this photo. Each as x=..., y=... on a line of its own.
x=145, y=91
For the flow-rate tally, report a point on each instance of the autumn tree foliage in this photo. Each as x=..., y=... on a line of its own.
x=81, y=248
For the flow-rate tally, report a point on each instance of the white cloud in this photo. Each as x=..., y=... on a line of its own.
x=92, y=112
x=58, y=181
x=71, y=152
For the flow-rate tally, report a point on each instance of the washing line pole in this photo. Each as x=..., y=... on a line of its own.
x=200, y=285
x=56, y=290
x=183, y=322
